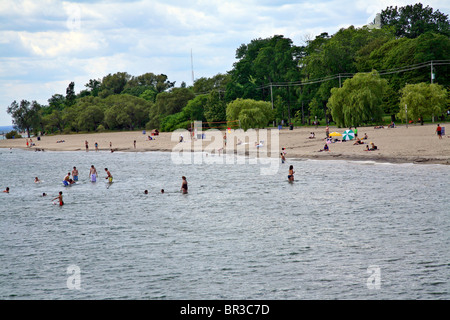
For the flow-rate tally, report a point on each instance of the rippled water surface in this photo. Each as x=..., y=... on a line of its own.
x=342, y=230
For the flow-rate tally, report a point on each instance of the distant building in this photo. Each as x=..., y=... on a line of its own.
x=376, y=24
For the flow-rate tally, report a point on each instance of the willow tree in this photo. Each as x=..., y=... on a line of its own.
x=422, y=100
x=359, y=100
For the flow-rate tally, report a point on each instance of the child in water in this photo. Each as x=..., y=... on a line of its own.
x=60, y=198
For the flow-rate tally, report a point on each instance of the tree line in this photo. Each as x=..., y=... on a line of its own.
x=353, y=77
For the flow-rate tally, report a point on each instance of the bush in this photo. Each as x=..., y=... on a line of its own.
x=13, y=135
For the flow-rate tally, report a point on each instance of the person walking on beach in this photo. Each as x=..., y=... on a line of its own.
x=109, y=176
x=184, y=185
x=134, y=144
x=291, y=173
x=86, y=145
x=60, y=199
x=327, y=131
x=75, y=174
x=439, y=131
x=93, y=174
x=96, y=146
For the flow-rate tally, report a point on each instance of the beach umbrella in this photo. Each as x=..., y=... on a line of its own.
x=348, y=135
x=335, y=134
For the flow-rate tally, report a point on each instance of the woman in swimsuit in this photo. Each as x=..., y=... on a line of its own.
x=291, y=173
x=184, y=185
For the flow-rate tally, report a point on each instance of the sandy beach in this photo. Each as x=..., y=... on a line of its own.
x=412, y=144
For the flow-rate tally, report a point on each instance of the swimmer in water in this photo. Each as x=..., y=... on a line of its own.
x=109, y=176
x=291, y=173
x=60, y=199
x=93, y=173
x=162, y=190
x=66, y=180
x=6, y=190
x=184, y=185
x=36, y=180
x=75, y=174
x=145, y=191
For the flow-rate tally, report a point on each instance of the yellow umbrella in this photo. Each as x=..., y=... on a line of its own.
x=335, y=134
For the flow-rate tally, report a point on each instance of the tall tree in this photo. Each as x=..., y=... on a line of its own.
x=359, y=100
x=25, y=115
x=422, y=100
x=413, y=20
x=70, y=94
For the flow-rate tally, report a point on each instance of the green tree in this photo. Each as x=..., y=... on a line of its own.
x=412, y=21
x=250, y=113
x=422, y=100
x=359, y=100
x=215, y=107
x=25, y=116
x=70, y=94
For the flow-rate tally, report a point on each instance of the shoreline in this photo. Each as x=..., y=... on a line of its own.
x=413, y=144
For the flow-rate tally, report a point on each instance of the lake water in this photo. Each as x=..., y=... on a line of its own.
x=342, y=230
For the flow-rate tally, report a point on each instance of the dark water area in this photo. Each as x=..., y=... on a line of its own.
x=341, y=230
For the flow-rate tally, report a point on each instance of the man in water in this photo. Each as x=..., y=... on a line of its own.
x=109, y=176
x=67, y=179
x=6, y=190
x=75, y=174
x=184, y=185
x=60, y=198
x=93, y=174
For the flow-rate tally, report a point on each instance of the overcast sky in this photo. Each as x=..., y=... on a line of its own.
x=46, y=44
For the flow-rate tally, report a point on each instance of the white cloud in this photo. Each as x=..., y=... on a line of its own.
x=46, y=44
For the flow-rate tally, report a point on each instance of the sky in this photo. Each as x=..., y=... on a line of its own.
x=46, y=44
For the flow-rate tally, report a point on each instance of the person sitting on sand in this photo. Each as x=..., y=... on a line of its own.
x=312, y=135
x=379, y=127
x=325, y=148
x=365, y=136
x=358, y=141
x=373, y=147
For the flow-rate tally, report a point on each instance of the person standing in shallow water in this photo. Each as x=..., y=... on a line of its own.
x=184, y=185
x=93, y=174
x=291, y=173
x=60, y=199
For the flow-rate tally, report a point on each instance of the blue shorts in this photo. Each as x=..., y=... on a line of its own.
x=65, y=183
x=75, y=178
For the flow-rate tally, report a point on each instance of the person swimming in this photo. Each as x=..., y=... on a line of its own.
x=6, y=190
